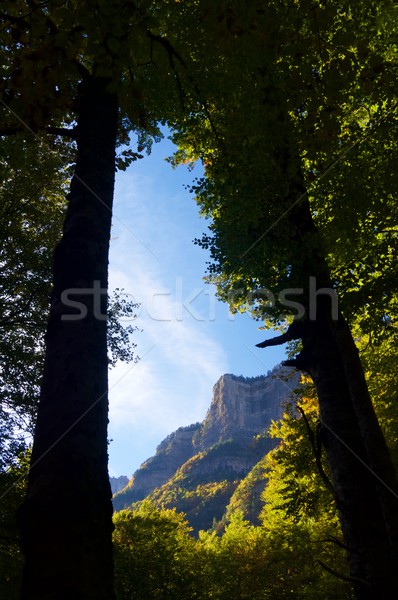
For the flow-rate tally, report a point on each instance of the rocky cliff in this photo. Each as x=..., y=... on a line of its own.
x=198, y=468
x=118, y=483
x=173, y=452
x=242, y=408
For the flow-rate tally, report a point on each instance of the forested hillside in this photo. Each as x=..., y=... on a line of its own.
x=290, y=107
x=280, y=536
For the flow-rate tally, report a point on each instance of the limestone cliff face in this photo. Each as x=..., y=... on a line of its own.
x=220, y=449
x=241, y=408
x=118, y=483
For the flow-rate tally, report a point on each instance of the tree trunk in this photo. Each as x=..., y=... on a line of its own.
x=362, y=472
x=66, y=520
x=356, y=493
x=363, y=476
x=385, y=477
x=378, y=456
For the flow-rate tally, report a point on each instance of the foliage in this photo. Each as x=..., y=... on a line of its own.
x=120, y=346
x=49, y=48
x=299, y=507
x=298, y=140
x=33, y=201
x=13, y=480
x=296, y=549
x=247, y=496
x=33, y=184
x=203, y=486
x=379, y=356
x=294, y=552
x=320, y=82
x=202, y=503
x=155, y=557
x=304, y=490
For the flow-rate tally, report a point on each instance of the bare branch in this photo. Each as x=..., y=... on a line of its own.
x=343, y=577
x=317, y=450
x=276, y=341
x=301, y=362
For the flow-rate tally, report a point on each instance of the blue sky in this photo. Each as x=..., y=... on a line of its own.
x=189, y=338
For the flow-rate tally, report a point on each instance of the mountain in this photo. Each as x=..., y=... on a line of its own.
x=118, y=483
x=198, y=469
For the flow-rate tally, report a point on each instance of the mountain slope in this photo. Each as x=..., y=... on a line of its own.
x=202, y=488
x=198, y=468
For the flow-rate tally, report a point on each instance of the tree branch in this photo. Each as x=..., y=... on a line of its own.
x=294, y=332
x=7, y=131
x=84, y=72
x=276, y=341
x=62, y=132
x=172, y=53
x=301, y=362
x=317, y=450
x=339, y=543
x=348, y=578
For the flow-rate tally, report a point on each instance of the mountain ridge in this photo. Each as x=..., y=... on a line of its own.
x=197, y=468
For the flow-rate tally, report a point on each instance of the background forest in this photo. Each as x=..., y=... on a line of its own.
x=291, y=107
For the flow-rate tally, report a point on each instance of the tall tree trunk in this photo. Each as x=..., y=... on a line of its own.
x=356, y=491
x=66, y=520
x=384, y=473
x=362, y=471
x=378, y=457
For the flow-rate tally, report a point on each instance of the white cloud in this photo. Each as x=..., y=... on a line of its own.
x=183, y=348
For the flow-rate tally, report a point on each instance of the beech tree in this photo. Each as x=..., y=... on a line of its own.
x=31, y=214
x=82, y=71
x=155, y=556
x=301, y=96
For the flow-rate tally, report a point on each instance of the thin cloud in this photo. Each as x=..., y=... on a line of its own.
x=171, y=386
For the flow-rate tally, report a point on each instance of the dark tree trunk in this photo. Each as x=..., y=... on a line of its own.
x=385, y=477
x=362, y=472
x=66, y=520
x=356, y=491
x=363, y=476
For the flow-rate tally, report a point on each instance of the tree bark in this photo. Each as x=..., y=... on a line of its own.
x=363, y=476
x=385, y=477
x=66, y=519
x=362, y=472
x=370, y=558
x=378, y=456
